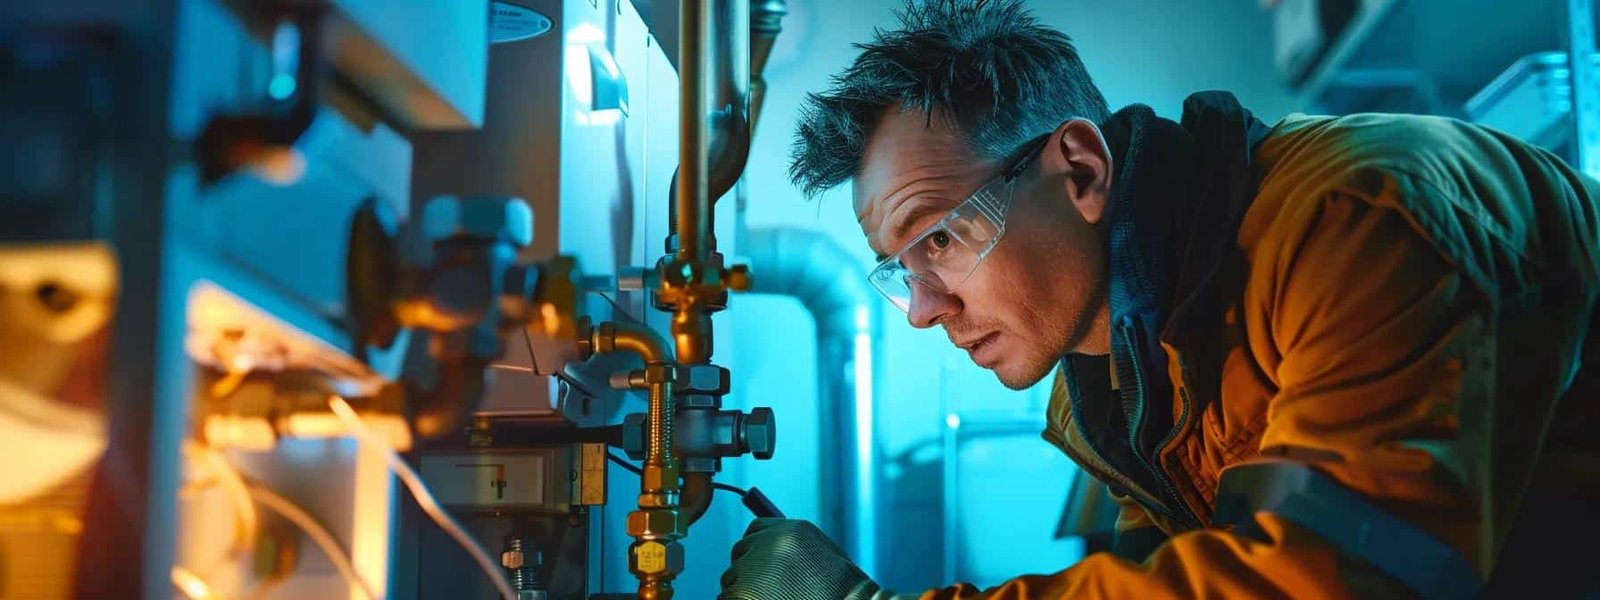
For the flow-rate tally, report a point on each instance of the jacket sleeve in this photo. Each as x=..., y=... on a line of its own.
x=1364, y=329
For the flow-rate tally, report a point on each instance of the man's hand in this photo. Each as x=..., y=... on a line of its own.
x=783, y=559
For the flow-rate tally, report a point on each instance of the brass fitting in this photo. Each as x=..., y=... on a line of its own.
x=656, y=563
x=657, y=524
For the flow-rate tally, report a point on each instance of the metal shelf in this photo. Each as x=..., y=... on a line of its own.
x=1451, y=57
x=1426, y=56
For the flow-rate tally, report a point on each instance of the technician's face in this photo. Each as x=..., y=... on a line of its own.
x=1040, y=292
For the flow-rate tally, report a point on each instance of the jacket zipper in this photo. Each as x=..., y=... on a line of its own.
x=1186, y=401
x=1098, y=466
x=1185, y=515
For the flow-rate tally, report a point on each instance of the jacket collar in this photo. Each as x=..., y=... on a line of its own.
x=1180, y=191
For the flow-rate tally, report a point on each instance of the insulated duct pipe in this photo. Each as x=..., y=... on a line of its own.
x=812, y=268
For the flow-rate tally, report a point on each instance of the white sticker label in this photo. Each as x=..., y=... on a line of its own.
x=510, y=22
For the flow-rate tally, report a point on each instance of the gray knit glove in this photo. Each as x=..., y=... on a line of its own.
x=785, y=559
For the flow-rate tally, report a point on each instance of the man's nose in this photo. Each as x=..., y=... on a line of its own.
x=929, y=306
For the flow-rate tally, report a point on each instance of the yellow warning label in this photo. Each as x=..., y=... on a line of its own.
x=652, y=557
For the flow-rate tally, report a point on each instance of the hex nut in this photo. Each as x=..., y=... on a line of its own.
x=479, y=217
x=653, y=557
x=656, y=523
x=511, y=559
x=655, y=478
x=761, y=432
x=702, y=379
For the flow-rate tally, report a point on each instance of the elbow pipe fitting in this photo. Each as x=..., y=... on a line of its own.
x=612, y=336
x=696, y=496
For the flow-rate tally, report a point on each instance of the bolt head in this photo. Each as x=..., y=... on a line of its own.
x=739, y=279
x=761, y=432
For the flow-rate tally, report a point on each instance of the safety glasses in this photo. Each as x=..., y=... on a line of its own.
x=945, y=255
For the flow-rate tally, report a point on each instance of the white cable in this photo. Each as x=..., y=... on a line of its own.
x=353, y=423
x=233, y=483
x=193, y=586
x=319, y=535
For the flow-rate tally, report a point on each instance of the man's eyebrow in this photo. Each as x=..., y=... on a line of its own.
x=915, y=216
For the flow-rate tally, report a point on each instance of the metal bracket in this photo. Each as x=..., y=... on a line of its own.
x=1585, y=98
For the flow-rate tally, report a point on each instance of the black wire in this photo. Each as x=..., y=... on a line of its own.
x=728, y=488
x=623, y=462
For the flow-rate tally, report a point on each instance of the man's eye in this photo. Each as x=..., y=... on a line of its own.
x=939, y=239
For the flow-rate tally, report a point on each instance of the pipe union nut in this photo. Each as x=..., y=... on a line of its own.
x=703, y=379
x=657, y=523
x=488, y=218
x=656, y=478
x=652, y=557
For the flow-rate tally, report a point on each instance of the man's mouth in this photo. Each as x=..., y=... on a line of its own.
x=982, y=349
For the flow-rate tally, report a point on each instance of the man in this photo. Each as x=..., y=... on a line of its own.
x=1333, y=358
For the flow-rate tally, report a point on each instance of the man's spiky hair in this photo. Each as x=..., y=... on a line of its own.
x=987, y=66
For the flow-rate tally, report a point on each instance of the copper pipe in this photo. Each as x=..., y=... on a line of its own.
x=691, y=208
x=766, y=22
x=725, y=117
x=696, y=497
x=632, y=337
x=720, y=116
x=728, y=116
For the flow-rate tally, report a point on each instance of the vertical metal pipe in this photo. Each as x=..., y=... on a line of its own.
x=691, y=208
x=951, y=485
x=766, y=21
x=728, y=114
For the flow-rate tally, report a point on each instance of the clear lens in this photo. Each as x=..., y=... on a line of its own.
x=947, y=254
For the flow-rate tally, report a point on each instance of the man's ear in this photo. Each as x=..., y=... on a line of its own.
x=1077, y=150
